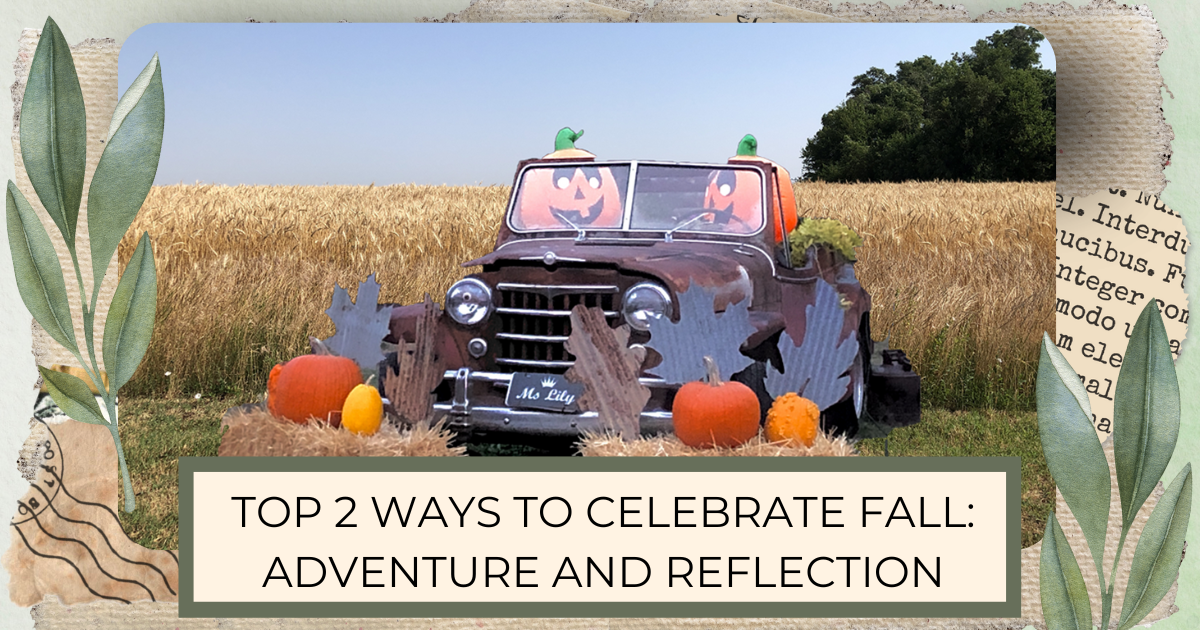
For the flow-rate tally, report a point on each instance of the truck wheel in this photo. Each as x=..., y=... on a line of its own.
x=389, y=362
x=754, y=377
x=842, y=417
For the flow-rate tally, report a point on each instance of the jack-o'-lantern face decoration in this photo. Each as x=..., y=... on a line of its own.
x=557, y=198
x=735, y=198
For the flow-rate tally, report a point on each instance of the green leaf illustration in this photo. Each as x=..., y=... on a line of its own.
x=1074, y=384
x=54, y=130
x=131, y=316
x=1159, y=551
x=1073, y=453
x=1145, y=412
x=39, y=276
x=126, y=169
x=1065, y=602
x=73, y=396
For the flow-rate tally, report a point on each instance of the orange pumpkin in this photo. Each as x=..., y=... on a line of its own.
x=736, y=200
x=311, y=386
x=586, y=196
x=785, y=199
x=715, y=413
x=273, y=379
x=786, y=203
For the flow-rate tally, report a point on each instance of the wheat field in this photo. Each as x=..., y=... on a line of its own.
x=960, y=274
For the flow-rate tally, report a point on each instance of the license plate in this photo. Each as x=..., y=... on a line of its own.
x=548, y=392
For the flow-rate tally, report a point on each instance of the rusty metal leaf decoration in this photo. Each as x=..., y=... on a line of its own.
x=701, y=332
x=410, y=387
x=814, y=369
x=609, y=369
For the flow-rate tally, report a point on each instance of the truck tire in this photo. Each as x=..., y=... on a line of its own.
x=842, y=417
x=754, y=377
x=389, y=362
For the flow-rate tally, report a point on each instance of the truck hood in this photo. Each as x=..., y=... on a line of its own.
x=726, y=267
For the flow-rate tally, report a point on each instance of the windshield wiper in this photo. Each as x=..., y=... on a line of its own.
x=668, y=233
x=561, y=216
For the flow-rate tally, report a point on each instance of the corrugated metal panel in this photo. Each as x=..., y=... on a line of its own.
x=814, y=369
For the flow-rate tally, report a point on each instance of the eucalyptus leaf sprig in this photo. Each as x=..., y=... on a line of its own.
x=53, y=130
x=1145, y=429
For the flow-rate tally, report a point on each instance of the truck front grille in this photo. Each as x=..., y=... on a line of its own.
x=535, y=320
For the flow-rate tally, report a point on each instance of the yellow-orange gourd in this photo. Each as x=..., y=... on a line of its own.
x=363, y=411
x=792, y=418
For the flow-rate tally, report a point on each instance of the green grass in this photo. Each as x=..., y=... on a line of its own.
x=518, y=450
x=237, y=359
x=155, y=432
x=951, y=376
x=942, y=433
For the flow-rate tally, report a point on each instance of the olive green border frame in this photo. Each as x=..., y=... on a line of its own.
x=1009, y=608
x=1178, y=19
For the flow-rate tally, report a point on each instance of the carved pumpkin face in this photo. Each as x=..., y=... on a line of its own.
x=735, y=197
x=555, y=198
x=784, y=200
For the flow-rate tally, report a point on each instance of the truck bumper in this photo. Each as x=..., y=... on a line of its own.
x=477, y=419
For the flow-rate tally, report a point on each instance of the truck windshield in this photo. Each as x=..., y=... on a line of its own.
x=697, y=199
x=571, y=197
x=666, y=198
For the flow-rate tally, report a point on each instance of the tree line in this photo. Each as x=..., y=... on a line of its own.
x=984, y=115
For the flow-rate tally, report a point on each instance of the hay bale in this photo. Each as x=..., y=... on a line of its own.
x=606, y=445
x=256, y=433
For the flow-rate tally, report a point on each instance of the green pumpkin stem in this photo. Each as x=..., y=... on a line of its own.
x=713, y=376
x=566, y=138
x=319, y=347
x=748, y=147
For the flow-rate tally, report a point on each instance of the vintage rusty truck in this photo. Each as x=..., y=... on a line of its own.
x=628, y=237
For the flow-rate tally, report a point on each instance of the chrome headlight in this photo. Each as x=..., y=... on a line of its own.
x=469, y=301
x=644, y=302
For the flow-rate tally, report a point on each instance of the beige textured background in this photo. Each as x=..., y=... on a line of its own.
x=1158, y=284
x=1111, y=133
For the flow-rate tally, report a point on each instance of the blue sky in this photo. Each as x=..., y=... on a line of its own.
x=463, y=103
